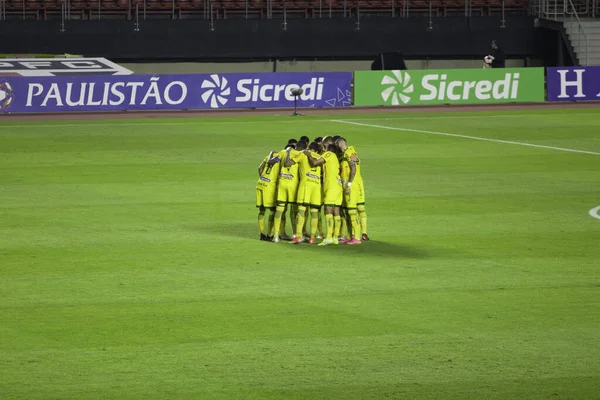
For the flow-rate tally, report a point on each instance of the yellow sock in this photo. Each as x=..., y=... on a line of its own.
x=329, y=223
x=354, y=223
x=321, y=232
x=283, y=220
x=270, y=228
x=343, y=226
x=300, y=221
x=314, y=220
x=277, y=221
x=337, y=224
x=294, y=217
x=362, y=213
x=261, y=221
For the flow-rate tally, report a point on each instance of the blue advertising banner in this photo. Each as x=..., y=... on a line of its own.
x=173, y=92
x=573, y=83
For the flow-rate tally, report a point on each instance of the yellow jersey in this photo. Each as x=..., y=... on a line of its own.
x=288, y=176
x=269, y=175
x=345, y=164
x=331, y=170
x=308, y=174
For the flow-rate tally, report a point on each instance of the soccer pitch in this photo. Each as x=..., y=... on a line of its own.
x=130, y=265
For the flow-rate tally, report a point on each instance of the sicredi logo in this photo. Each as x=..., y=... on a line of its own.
x=440, y=87
x=6, y=95
x=217, y=91
x=398, y=86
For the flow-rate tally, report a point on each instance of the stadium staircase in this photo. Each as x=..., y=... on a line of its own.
x=581, y=22
x=585, y=39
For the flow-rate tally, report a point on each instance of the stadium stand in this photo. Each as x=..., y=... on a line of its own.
x=260, y=9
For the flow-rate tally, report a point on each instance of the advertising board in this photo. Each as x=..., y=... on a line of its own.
x=457, y=86
x=173, y=92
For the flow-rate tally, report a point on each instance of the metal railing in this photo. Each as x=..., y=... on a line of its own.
x=567, y=10
x=580, y=31
x=324, y=8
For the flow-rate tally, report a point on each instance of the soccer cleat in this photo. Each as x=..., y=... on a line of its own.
x=326, y=242
x=343, y=240
x=275, y=239
x=320, y=236
x=269, y=238
x=296, y=240
x=354, y=241
x=286, y=237
x=335, y=241
x=263, y=236
x=365, y=237
x=311, y=241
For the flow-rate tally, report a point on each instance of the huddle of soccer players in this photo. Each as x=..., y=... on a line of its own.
x=306, y=177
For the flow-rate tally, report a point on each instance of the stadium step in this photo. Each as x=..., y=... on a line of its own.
x=585, y=40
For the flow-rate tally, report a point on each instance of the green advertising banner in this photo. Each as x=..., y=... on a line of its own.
x=454, y=86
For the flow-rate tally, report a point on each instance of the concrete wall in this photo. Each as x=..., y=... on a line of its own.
x=304, y=66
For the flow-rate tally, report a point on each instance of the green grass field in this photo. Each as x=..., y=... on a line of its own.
x=130, y=265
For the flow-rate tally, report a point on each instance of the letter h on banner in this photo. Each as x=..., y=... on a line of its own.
x=564, y=83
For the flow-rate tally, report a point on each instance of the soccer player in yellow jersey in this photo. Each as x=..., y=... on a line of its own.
x=287, y=188
x=266, y=191
x=309, y=190
x=332, y=185
x=353, y=188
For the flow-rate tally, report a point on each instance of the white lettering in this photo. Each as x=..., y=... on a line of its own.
x=451, y=87
x=442, y=88
x=501, y=88
x=247, y=93
x=81, y=100
x=564, y=83
x=35, y=64
x=515, y=87
x=255, y=90
x=133, y=86
x=429, y=87
x=53, y=93
x=263, y=93
x=115, y=91
x=278, y=90
x=167, y=94
x=467, y=89
x=105, y=94
x=152, y=92
x=81, y=64
x=482, y=89
x=320, y=88
x=288, y=91
x=90, y=98
x=31, y=94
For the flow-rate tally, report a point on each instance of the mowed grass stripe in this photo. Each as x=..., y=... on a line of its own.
x=131, y=269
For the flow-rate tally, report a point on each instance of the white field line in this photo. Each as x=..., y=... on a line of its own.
x=173, y=121
x=595, y=212
x=464, y=136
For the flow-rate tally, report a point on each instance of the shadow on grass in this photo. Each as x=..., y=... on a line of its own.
x=372, y=248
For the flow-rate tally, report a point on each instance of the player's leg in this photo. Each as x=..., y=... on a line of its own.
x=315, y=206
x=279, y=210
x=283, y=234
x=338, y=199
x=328, y=209
x=261, y=214
x=269, y=202
x=337, y=223
x=314, y=219
x=300, y=219
x=362, y=212
x=351, y=206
